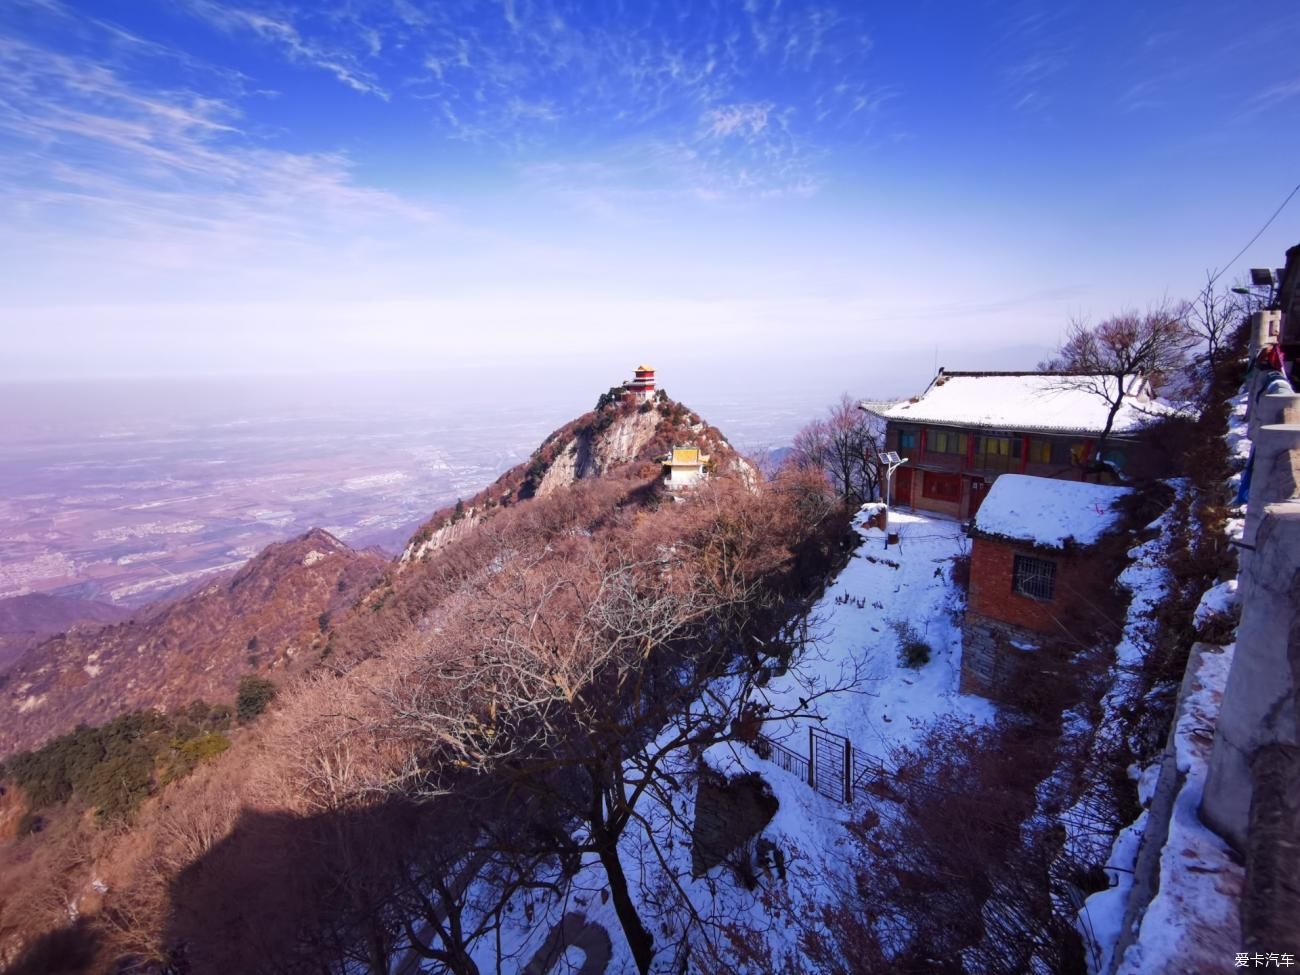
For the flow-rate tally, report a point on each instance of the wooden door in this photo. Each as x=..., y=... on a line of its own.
x=979, y=488
x=903, y=487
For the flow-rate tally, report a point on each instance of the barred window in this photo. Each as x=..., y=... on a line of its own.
x=1033, y=577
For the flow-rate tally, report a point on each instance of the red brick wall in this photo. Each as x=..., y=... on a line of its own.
x=991, y=593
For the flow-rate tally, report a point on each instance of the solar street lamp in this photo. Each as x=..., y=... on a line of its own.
x=1260, y=277
x=1257, y=300
x=892, y=463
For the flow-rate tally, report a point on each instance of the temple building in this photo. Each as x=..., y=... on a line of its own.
x=642, y=386
x=684, y=467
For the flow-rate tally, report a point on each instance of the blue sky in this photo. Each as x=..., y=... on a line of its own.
x=201, y=187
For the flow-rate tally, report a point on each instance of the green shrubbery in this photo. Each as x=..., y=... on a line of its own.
x=255, y=693
x=610, y=397
x=913, y=651
x=116, y=766
x=189, y=754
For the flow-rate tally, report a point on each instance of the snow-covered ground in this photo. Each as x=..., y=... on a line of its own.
x=909, y=583
x=892, y=705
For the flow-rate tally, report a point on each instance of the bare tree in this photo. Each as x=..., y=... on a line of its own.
x=845, y=445
x=602, y=667
x=1110, y=359
x=1212, y=318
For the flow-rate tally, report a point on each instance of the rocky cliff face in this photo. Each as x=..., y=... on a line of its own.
x=264, y=618
x=591, y=453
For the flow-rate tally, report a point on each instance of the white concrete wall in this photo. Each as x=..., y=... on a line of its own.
x=1261, y=704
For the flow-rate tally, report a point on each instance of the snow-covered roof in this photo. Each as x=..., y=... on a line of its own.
x=1048, y=512
x=1047, y=401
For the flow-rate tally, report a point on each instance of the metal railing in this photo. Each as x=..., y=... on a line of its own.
x=864, y=769
x=782, y=757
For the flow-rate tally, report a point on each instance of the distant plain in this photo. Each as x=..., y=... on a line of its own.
x=126, y=491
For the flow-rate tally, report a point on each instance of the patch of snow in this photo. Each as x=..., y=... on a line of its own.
x=314, y=556
x=881, y=585
x=1192, y=923
x=1238, y=437
x=1100, y=920
x=1102, y=917
x=1048, y=512
x=1222, y=598
x=1148, y=582
x=1147, y=780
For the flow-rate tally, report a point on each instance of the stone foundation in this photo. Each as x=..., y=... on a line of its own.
x=991, y=652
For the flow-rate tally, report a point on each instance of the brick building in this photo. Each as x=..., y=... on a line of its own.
x=1033, y=564
x=969, y=428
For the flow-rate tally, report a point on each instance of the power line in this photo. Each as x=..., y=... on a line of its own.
x=1259, y=233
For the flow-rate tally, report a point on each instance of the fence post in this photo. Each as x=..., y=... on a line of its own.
x=812, y=759
x=848, y=770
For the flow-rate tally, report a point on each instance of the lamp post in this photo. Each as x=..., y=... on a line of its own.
x=1263, y=300
x=892, y=463
x=1260, y=277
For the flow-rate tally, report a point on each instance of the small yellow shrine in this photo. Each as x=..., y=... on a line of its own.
x=684, y=467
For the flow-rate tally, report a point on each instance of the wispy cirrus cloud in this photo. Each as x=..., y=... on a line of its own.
x=1032, y=53
x=282, y=32
x=746, y=120
x=540, y=76
x=1274, y=95
x=100, y=171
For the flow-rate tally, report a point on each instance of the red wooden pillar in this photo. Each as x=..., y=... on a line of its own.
x=1024, y=453
x=970, y=451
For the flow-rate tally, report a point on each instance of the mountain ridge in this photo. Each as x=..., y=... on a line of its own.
x=255, y=620
x=311, y=599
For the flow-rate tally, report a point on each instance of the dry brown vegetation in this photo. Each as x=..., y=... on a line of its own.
x=530, y=661
x=262, y=619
